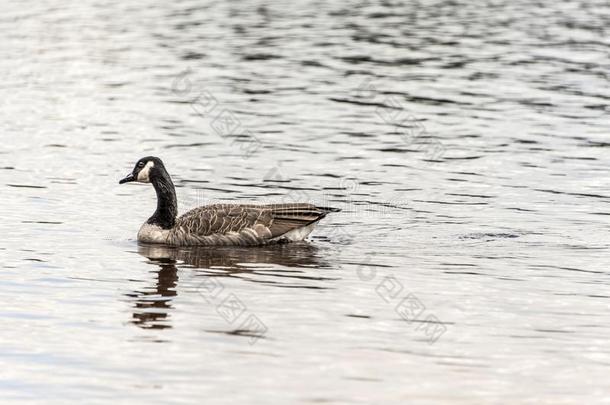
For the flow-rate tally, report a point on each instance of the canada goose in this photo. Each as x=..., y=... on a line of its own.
x=219, y=224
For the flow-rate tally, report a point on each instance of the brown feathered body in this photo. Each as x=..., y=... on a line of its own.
x=238, y=225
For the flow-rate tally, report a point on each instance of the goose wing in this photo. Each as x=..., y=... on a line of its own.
x=243, y=224
x=288, y=217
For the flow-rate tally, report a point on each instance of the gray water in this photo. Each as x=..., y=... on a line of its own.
x=465, y=142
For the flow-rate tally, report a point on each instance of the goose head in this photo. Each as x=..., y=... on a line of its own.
x=145, y=170
x=150, y=169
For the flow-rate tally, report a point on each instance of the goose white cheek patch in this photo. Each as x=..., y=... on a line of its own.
x=143, y=175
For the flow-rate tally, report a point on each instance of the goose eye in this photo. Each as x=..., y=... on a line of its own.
x=141, y=164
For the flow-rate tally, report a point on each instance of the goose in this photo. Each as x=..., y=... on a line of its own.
x=219, y=224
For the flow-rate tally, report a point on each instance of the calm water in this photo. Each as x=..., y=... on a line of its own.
x=466, y=142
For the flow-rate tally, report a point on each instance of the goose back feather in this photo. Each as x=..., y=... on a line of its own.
x=243, y=225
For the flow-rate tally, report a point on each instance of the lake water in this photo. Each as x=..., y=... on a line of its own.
x=465, y=142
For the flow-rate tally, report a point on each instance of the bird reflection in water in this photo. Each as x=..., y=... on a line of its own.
x=153, y=305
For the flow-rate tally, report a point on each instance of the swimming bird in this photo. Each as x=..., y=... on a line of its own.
x=219, y=224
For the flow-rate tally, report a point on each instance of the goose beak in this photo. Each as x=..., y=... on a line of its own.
x=128, y=178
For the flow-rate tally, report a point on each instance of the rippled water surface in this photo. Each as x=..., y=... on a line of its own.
x=466, y=143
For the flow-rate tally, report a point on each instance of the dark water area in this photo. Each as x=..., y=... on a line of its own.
x=465, y=142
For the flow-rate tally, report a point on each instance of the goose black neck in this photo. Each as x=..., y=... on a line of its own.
x=167, y=206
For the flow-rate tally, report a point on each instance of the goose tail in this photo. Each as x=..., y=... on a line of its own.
x=328, y=210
